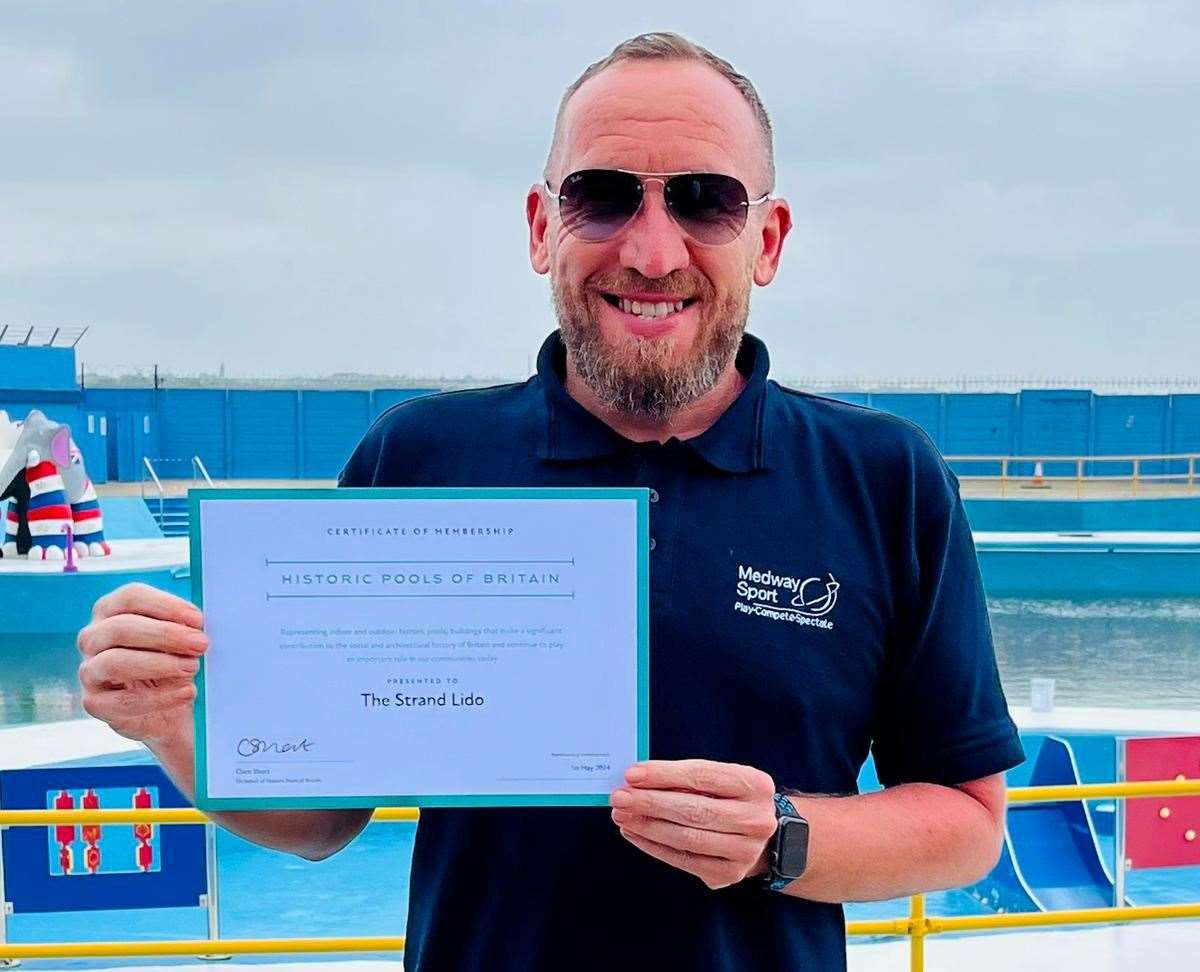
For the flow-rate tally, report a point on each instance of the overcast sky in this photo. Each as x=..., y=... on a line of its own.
x=285, y=187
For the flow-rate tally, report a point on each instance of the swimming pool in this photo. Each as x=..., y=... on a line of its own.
x=1130, y=653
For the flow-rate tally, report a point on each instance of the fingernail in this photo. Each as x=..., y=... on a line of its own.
x=635, y=774
x=621, y=798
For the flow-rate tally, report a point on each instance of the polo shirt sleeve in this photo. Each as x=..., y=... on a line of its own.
x=362, y=468
x=942, y=716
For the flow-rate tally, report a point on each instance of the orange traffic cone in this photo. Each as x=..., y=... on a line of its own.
x=1038, y=481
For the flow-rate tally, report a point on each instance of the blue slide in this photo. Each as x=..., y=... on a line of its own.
x=1051, y=858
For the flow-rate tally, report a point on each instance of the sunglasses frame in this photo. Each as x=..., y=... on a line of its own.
x=663, y=178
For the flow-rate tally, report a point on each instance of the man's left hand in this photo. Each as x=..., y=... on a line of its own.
x=713, y=820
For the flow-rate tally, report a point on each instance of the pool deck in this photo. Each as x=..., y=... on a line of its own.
x=1107, y=949
x=127, y=555
x=973, y=487
x=1129, y=948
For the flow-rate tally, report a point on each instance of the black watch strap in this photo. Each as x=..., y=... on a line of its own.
x=788, y=852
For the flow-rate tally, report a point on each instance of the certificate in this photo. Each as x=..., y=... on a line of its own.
x=419, y=647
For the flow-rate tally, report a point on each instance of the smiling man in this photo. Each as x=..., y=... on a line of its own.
x=814, y=590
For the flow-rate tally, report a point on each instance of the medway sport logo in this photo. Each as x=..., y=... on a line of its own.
x=766, y=594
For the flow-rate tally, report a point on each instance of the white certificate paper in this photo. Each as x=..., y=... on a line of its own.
x=419, y=647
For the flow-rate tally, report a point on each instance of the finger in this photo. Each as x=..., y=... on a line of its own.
x=713, y=871
x=731, y=780
x=136, y=631
x=691, y=810
x=148, y=601
x=115, y=705
x=123, y=665
x=708, y=843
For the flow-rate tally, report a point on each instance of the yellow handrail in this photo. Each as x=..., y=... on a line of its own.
x=202, y=946
x=916, y=925
x=162, y=815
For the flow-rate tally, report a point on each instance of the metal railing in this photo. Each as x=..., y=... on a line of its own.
x=197, y=469
x=1084, y=469
x=148, y=467
x=917, y=926
x=198, y=466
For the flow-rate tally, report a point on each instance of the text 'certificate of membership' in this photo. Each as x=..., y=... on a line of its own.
x=419, y=647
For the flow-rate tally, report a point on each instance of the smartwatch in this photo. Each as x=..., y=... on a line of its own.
x=787, y=854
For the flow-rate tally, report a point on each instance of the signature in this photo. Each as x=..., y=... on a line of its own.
x=252, y=747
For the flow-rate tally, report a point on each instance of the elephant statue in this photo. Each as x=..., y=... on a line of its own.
x=43, y=478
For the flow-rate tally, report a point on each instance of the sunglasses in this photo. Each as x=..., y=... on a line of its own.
x=596, y=204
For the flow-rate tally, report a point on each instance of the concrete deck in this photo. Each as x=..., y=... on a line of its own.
x=1129, y=948
x=985, y=487
x=972, y=487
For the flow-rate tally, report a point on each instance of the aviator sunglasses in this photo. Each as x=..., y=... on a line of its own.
x=596, y=204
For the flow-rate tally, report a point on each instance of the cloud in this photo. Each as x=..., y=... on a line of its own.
x=318, y=187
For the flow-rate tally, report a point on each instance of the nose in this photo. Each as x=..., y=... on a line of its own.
x=653, y=243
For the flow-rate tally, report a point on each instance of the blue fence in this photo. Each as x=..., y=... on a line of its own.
x=288, y=434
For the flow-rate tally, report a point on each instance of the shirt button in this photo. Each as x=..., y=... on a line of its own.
x=652, y=543
x=654, y=496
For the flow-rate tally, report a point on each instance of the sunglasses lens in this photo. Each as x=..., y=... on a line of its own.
x=711, y=208
x=596, y=203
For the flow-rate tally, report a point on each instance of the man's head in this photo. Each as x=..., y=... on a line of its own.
x=657, y=104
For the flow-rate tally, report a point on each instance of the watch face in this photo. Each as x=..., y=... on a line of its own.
x=793, y=846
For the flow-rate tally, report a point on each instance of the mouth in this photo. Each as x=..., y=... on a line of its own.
x=646, y=308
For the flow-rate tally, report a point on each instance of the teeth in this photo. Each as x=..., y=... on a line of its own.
x=650, y=311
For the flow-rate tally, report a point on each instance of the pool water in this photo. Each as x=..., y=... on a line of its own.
x=1116, y=652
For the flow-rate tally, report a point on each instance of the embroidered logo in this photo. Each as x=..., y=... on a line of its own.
x=766, y=594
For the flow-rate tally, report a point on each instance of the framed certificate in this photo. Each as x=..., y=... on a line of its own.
x=419, y=647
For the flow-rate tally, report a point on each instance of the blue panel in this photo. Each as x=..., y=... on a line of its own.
x=979, y=424
x=30, y=882
x=924, y=410
x=1128, y=425
x=854, y=398
x=193, y=424
x=263, y=426
x=385, y=398
x=1072, y=516
x=25, y=368
x=333, y=423
x=1184, y=431
x=1054, y=423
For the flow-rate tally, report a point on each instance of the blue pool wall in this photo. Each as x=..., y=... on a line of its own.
x=292, y=433
x=1069, y=516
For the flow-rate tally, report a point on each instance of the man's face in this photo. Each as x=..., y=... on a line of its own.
x=655, y=116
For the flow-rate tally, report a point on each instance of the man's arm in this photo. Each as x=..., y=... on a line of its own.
x=716, y=821
x=900, y=841
x=311, y=834
x=140, y=655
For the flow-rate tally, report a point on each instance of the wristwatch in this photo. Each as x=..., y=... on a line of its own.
x=787, y=854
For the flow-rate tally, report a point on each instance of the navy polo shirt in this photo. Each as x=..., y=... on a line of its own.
x=814, y=596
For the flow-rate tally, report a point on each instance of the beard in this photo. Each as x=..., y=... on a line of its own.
x=638, y=376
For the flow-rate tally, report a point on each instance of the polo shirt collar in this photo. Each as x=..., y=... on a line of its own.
x=735, y=443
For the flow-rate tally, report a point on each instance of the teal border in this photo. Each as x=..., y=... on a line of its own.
x=641, y=496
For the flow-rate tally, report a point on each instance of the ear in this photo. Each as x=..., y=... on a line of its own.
x=776, y=225
x=60, y=448
x=538, y=219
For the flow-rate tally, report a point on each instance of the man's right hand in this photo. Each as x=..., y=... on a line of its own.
x=141, y=653
x=140, y=657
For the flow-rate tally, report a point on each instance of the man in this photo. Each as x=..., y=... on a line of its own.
x=814, y=589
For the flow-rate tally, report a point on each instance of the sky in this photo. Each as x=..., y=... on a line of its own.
x=978, y=189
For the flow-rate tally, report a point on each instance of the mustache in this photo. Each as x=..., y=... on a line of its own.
x=675, y=284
